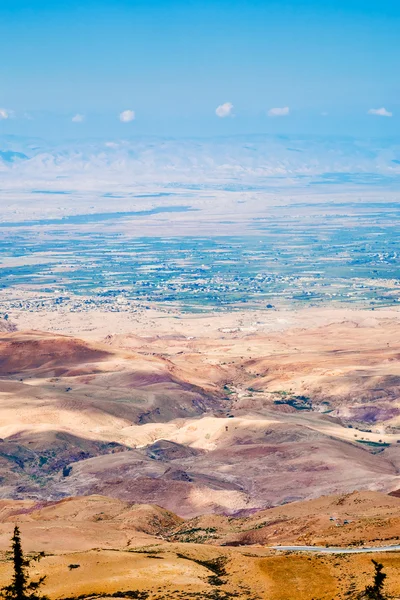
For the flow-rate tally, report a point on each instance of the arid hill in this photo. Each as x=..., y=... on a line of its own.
x=100, y=545
x=356, y=519
x=224, y=420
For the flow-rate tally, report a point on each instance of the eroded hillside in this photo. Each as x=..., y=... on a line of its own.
x=98, y=545
x=204, y=414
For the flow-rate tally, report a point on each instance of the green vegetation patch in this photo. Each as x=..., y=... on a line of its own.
x=374, y=444
x=297, y=402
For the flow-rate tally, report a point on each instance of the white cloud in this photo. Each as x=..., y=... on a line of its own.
x=4, y=114
x=127, y=116
x=78, y=118
x=224, y=110
x=381, y=112
x=278, y=112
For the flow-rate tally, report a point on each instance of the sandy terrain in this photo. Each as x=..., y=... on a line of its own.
x=250, y=575
x=209, y=418
x=200, y=414
x=96, y=325
x=102, y=545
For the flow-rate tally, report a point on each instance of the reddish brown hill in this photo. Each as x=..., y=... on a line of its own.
x=44, y=354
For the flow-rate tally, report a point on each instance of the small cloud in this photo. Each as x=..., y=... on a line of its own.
x=78, y=118
x=5, y=114
x=224, y=110
x=127, y=116
x=278, y=112
x=111, y=145
x=324, y=114
x=381, y=112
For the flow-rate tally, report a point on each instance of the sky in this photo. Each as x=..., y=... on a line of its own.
x=119, y=68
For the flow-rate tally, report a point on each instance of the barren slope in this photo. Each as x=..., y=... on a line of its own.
x=102, y=545
x=228, y=419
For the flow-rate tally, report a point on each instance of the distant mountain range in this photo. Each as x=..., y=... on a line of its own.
x=232, y=163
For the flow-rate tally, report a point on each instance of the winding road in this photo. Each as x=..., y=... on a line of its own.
x=333, y=550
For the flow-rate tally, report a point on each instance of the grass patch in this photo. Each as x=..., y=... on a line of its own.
x=374, y=444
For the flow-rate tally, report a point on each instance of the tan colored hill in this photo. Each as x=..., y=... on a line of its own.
x=204, y=414
x=81, y=524
x=182, y=572
x=100, y=545
x=355, y=519
x=343, y=361
x=256, y=463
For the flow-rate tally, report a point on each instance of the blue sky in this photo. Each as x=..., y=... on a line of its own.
x=324, y=64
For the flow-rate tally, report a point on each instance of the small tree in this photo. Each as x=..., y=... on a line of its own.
x=21, y=587
x=375, y=591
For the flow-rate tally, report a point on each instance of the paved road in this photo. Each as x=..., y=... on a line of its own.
x=333, y=550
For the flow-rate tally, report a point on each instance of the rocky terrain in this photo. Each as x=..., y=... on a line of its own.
x=98, y=545
x=354, y=520
x=160, y=455
x=200, y=418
